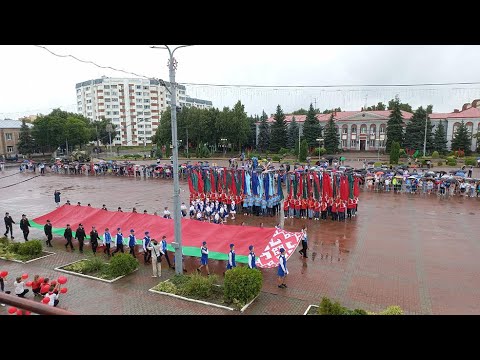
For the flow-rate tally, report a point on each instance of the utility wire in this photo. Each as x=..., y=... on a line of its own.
x=265, y=86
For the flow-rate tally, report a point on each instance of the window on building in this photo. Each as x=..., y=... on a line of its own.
x=114, y=99
x=114, y=93
x=146, y=113
x=107, y=93
x=345, y=130
x=106, y=87
x=139, y=106
x=146, y=94
x=89, y=114
x=79, y=103
x=146, y=88
x=353, y=143
x=138, y=87
x=146, y=106
x=115, y=113
x=146, y=100
x=89, y=107
x=117, y=139
x=87, y=88
x=344, y=143
x=148, y=133
x=9, y=149
x=138, y=93
x=89, y=101
x=107, y=106
x=115, y=119
x=8, y=136
x=107, y=100
x=79, y=109
x=140, y=126
x=147, y=119
x=114, y=86
x=363, y=130
x=140, y=132
x=148, y=126
x=79, y=96
x=371, y=143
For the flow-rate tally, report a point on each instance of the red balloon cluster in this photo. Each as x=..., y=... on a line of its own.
x=27, y=312
x=19, y=312
x=29, y=283
x=46, y=300
x=12, y=310
x=53, y=283
x=3, y=273
x=63, y=290
x=45, y=288
x=24, y=276
x=40, y=280
x=62, y=280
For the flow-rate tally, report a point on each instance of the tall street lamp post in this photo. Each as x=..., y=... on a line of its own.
x=177, y=244
x=320, y=140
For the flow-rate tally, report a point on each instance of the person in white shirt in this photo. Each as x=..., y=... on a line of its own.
x=199, y=216
x=53, y=295
x=192, y=211
x=20, y=290
x=216, y=218
x=183, y=209
x=166, y=213
x=156, y=250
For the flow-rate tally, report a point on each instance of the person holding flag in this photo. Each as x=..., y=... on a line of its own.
x=231, y=258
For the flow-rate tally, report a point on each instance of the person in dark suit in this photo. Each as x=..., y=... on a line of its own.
x=80, y=236
x=9, y=225
x=68, y=236
x=48, y=232
x=24, y=225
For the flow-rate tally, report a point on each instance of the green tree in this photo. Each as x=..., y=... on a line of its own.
x=77, y=132
x=429, y=109
x=440, y=139
x=303, y=150
x=329, y=111
x=252, y=120
x=394, y=124
x=311, y=128
x=415, y=131
x=263, y=133
x=25, y=140
x=379, y=106
x=396, y=103
x=395, y=153
x=331, y=137
x=100, y=129
x=300, y=111
x=462, y=139
x=293, y=130
x=239, y=125
x=278, y=131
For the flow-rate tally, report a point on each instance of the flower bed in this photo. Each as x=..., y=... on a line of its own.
x=96, y=268
x=22, y=252
x=230, y=295
x=328, y=307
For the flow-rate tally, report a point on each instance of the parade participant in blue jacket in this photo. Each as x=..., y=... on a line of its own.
x=164, y=250
x=282, y=269
x=231, y=258
x=107, y=239
x=204, y=258
x=251, y=258
x=119, y=242
x=131, y=242
x=147, y=254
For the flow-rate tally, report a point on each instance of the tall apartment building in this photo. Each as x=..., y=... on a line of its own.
x=133, y=105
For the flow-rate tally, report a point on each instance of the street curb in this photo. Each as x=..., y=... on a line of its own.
x=308, y=309
x=59, y=268
x=29, y=261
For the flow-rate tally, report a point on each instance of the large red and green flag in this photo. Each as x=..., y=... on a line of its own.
x=267, y=241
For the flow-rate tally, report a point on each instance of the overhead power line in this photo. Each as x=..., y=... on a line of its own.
x=265, y=86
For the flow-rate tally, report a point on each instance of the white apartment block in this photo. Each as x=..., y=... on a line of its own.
x=133, y=105
x=198, y=103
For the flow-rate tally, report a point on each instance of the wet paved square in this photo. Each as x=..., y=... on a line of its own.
x=418, y=252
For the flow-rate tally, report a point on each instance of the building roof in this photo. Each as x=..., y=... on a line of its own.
x=471, y=112
x=10, y=124
x=348, y=115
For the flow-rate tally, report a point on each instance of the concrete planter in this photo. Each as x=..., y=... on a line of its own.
x=308, y=309
x=201, y=301
x=47, y=253
x=87, y=276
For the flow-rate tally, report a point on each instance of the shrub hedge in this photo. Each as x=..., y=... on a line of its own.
x=242, y=285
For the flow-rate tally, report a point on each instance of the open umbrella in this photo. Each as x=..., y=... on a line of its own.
x=379, y=173
x=342, y=158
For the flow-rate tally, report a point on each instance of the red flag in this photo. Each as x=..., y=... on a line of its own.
x=356, y=188
x=212, y=182
x=200, y=182
x=317, y=181
x=225, y=179
x=233, y=186
x=309, y=185
x=190, y=184
x=344, y=188
x=300, y=186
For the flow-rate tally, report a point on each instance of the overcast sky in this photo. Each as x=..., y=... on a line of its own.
x=34, y=81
